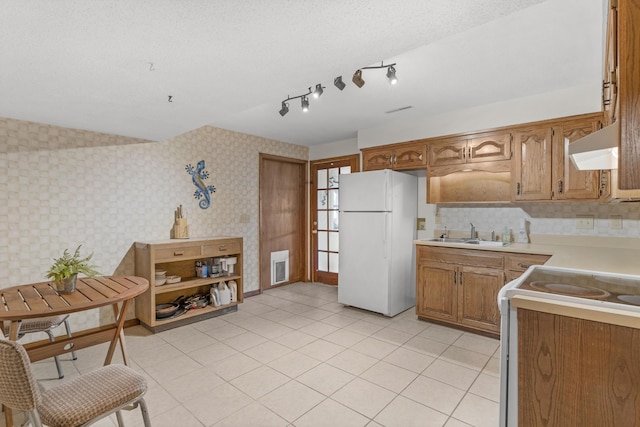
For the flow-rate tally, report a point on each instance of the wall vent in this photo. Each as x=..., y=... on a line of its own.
x=279, y=267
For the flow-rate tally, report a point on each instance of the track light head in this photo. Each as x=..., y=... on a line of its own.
x=391, y=75
x=318, y=91
x=357, y=78
x=337, y=82
x=285, y=109
x=305, y=104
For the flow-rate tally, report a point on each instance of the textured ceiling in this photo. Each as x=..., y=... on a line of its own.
x=109, y=65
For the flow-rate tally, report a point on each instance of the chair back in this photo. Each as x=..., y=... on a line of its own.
x=18, y=387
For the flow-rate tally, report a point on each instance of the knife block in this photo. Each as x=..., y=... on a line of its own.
x=180, y=229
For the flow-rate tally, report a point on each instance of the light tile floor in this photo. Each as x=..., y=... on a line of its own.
x=294, y=356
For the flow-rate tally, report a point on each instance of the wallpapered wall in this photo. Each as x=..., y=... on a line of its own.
x=63, y=187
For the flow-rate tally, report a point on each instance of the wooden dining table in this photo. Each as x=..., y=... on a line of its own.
x=35, y=300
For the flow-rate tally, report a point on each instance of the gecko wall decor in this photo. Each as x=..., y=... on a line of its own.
x=198, y=175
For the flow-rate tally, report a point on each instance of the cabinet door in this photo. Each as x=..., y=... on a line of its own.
x=448, y=153
x=477, y=297
x=376, y=159
x=532, y=167
x=435, y=293
x=609, y=87
x=489, y=148
x=568, y=181
x=410, y=157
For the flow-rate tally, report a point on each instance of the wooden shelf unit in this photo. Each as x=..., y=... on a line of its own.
x=178, y=257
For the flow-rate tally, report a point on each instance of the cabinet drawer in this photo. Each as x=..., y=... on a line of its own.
x=462, y=256
x=177, y=253
x=520, y=262
x=228, y=247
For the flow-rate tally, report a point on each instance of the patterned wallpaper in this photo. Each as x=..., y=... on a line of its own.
x=63, y=187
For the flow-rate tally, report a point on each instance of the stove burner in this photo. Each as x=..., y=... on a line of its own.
x=631, y=299
x=567, y=289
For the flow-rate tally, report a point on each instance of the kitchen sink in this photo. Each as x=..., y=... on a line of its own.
x=468, y=241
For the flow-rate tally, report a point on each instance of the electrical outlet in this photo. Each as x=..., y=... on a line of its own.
x=584, y=222
x=615, y=222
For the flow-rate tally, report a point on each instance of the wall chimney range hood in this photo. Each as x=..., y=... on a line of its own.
x=598, y=150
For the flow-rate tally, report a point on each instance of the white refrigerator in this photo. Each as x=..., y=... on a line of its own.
x=377, y=220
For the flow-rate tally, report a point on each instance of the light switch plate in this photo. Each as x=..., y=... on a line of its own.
x=584, y=222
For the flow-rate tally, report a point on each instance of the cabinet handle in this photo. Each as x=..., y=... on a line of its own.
x=523, y=265
x=469, y=155
x=222, y=248
x=517, y=188
x=394, y=159
x=460, y=278
x=178, y=253
x=560, y=186
x=455, y=279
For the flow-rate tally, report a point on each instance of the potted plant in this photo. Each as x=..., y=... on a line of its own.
x=65, y=270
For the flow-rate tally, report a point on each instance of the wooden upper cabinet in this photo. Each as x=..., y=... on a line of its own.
x=376, y=159
x=567, y=181
x=397, y=157
x=628, y=99
x=610, y=75
x=532, y=164
x=479, y=149
x=410, y=157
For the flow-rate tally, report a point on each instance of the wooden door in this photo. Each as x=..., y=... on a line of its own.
x=325, y=191
x=436, y=290
x=568, y=182
x=532, y=167
x=282, y=215
x=478, y=289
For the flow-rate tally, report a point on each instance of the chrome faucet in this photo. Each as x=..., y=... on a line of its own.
x=444, y=235
x=473, y=231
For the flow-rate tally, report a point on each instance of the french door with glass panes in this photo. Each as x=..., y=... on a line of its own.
x=325, y=205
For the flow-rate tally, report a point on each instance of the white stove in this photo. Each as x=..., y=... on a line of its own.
x=589, y=291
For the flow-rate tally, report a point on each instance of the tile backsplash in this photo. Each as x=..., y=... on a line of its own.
x=556, y=218
x=63, y=187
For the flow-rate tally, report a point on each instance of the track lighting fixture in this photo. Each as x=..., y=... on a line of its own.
x=285, y=109
x=318, y=91
x=357, y=78
x=391, y=74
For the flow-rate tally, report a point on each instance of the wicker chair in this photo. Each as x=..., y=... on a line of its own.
x=75, y=403
x=46, y=325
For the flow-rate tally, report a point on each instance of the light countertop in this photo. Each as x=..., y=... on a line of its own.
x=607, y=254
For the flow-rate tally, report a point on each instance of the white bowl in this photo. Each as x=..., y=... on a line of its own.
x=173, y=279
x=161, y=272
x=160, y=282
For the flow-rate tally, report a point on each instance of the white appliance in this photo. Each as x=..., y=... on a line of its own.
x=568, y=290
x=377, y=227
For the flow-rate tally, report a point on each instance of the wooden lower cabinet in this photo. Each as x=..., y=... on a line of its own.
x=449, y=291
x=178, y=257
x=517, y=264
x=576, y=372
x=460, y=286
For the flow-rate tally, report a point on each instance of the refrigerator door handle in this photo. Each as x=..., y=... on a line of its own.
x=384, y=235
